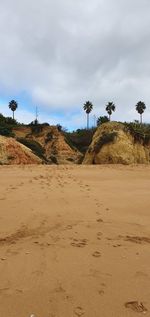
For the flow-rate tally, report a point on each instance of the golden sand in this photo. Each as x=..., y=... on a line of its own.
x=74, y=241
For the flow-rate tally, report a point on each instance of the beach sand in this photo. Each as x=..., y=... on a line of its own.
x=74, y=241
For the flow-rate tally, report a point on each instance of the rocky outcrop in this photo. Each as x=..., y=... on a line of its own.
x=55, y=146
x=113, y=144
x=12, y=152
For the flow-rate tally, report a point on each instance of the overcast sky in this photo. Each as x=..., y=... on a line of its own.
x=57, y=54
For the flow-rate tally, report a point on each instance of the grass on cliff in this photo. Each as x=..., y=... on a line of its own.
x=140, y=132
x=6, y=126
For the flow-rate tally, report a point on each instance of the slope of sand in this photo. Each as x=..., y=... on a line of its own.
x=74, y=241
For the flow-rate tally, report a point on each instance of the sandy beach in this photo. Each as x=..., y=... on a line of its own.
x=74, y=240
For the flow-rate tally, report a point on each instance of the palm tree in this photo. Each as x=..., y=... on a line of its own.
x=88, y=106
x=13, y=106
x=110, y=107
x=140, y=108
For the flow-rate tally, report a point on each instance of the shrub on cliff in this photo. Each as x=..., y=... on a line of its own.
x=36, y=148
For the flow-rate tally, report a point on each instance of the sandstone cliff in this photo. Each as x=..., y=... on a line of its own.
x=55, y=147
x=12, y=152
x=113, y=143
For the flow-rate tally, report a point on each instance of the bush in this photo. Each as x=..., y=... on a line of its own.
x=36, y=148
x=102, y=120
x=140, y=132
x=7, y=121
x=11, y=121
x=6, y=125
x=69, y=142
x=80, y=139
x=59, y=127
x=2, y=119
x=6, y=131
x=36, y=129
x=45, y=124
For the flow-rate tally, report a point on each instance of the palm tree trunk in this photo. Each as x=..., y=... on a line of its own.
x=13, y=115
x=141, y=117
x=109, y=117
x=87, y=121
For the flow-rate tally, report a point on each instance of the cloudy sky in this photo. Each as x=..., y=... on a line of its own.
x=57, y=54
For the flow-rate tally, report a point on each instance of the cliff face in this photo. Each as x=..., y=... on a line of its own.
x=113, y=144
x=56, y=149
x=12, y=152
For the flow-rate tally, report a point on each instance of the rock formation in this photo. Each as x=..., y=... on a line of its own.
x=55, y=146
x=113, y=143
x=12, y=152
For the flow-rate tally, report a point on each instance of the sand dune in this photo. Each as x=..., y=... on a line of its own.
x=74, y=241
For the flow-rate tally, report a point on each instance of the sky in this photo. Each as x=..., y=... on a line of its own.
x=58, y=54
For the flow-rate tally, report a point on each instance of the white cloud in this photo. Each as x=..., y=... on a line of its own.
x=65, y=52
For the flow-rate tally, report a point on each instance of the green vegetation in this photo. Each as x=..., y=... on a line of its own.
x=36, y=129
x=6, y=131
x=6, y=126
x=141, y=133
x=59, y=127
x=102, y=120
x=69, y=141
x=80, y=139
x=36, y=148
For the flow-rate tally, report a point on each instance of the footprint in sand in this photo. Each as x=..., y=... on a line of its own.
x=79, y=243
x=136, y=306
x=117, y=245
x=20, y=291
x=4, y=290
x=36, y=178
x=99, y=220
x=79, y=311
x=101, y=292
x=137, y=239
x=99, y=235
x=96, y=254
x=141, y=274
x=98, y=213
x=68, y=227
